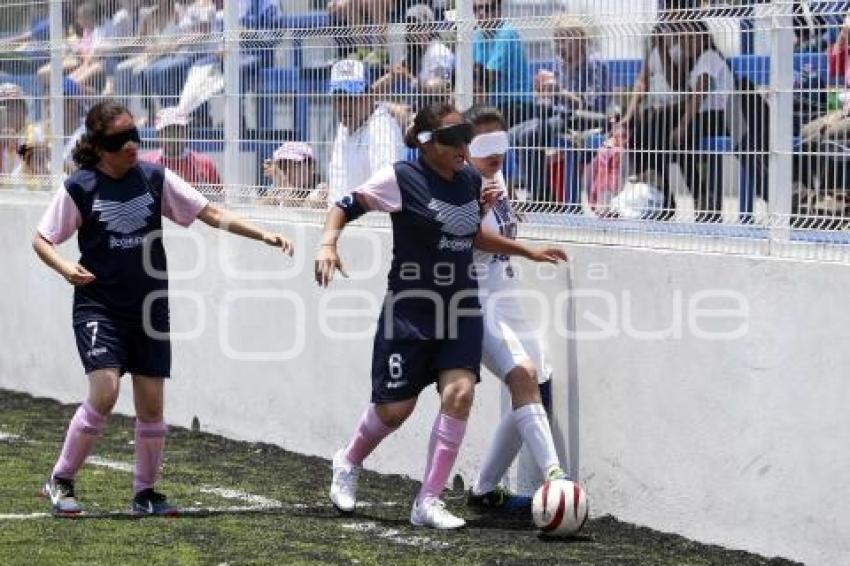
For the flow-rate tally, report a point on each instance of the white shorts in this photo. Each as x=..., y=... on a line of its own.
x=510, y=338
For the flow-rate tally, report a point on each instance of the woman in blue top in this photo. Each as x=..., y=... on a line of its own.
x=115, y=204
x=430, y=329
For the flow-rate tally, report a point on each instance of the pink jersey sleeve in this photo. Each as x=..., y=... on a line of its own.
x=381, y=191
x=181, y=203
x=61, y=219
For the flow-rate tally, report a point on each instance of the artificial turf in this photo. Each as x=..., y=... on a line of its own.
x=304, y=529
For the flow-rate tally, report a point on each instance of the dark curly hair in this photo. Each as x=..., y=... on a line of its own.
x=98, y=121
x=426, y=120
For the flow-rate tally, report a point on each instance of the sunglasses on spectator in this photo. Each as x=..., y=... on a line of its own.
x=455, y=135
x=115, y=142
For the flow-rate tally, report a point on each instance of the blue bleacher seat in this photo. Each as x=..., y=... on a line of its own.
x=757, y=67
x=622, y=73
x=283, y=81
x=280, y=81
x=305, y=21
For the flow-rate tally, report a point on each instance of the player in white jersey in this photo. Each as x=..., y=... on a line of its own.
x=513, y=349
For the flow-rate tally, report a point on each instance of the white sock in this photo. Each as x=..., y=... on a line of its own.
x=503, y=449
x=533, y=426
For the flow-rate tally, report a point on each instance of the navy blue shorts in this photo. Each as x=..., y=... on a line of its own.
x=405, y=364
x=105, y=343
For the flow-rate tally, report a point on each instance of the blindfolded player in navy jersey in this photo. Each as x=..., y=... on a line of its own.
x=115, y=204
x=430, y=328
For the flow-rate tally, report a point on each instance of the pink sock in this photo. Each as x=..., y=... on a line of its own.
x=370, y=432
x=447, y=436
x=150, y=441
x=84, y=430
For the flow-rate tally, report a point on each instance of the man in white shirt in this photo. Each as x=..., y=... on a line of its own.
x=367, y=138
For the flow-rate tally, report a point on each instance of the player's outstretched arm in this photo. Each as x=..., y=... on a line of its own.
x=327, y=259
x=226, y=220
x=74, y=273
x=491, y=242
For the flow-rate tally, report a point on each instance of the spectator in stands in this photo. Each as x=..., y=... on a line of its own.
x=820, y=163
x=690, y=91
x=13, y=108
x=427, y=58
x=165, y=75
x=159, y=31
x=196, y=168
x=261, y=22
x=84, y=64
x=293, y=174
x=367, y=138
x=125, y=33
x=502, y=75
x=27, y=58
x=839, y=53
x=654, y=108
x=367, y=21
x=73, y=126
x=34, y=165
x=572, y=97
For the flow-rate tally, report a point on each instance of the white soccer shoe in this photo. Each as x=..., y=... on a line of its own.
x=344, y=484
x=60, y=492
x=432, y=513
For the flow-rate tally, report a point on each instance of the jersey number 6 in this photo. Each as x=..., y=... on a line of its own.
x=395, y=366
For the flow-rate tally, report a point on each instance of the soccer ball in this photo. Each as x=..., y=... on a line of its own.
x=559, y=508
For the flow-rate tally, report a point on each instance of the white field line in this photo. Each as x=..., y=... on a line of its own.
x=23, y=516
x=255, y=500
x=110, y=464
x=394, y=535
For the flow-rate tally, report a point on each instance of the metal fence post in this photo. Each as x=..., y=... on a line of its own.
x=232, y=170
x=464, y=83
x=55, y=98
x=781, y=121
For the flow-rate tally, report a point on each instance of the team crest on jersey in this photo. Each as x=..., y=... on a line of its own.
x=457, y=220
x=125, y=217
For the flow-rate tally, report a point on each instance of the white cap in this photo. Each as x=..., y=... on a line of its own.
x=293, y=151
x=348, y=76
x=170, y=117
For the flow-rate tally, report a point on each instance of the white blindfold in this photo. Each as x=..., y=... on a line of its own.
x=485, y=145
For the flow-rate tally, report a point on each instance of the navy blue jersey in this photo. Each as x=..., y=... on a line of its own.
x=120, y=243
x=432, y=244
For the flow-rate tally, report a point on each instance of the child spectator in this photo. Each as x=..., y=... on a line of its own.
x=196, y=168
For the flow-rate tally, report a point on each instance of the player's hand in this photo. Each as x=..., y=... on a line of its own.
x=490, y=193
x=278, y=241
x=327, y=262
x=548, y=255
x=77, y=275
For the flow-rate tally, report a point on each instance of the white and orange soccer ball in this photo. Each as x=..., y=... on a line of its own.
x=560, y=508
